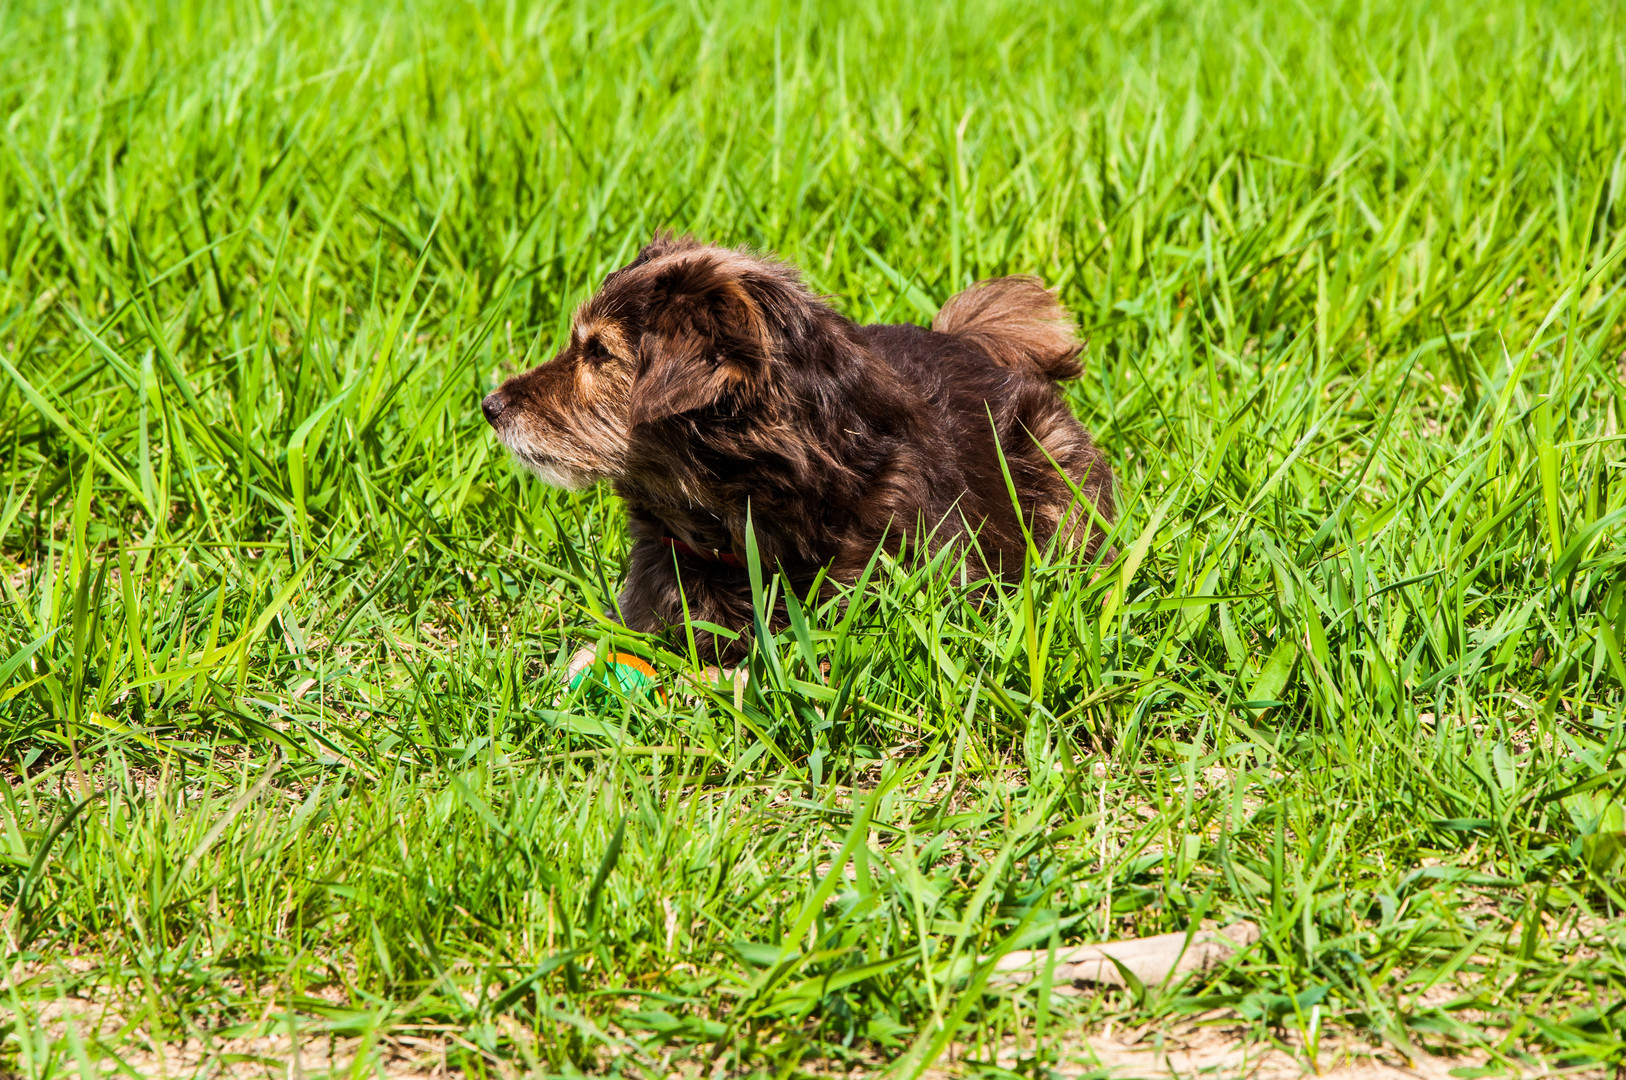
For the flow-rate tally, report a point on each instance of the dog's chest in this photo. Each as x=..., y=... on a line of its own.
x=657, y=518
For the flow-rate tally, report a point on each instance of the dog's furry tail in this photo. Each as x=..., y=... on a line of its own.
x=1018, y=322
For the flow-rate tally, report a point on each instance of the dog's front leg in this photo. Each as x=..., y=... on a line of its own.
x=659, y=591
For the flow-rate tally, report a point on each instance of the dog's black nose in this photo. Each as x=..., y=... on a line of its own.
x=493, y=405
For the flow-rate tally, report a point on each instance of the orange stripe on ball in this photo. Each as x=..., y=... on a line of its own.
x=636, y=663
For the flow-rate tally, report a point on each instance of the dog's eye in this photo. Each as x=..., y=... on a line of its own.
x=594, y=352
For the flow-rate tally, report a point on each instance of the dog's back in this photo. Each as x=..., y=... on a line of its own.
x=989, y=367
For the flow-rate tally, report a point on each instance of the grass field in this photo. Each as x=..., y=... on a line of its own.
x=290, y=785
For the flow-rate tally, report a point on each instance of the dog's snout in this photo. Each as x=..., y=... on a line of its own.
x=493, y=405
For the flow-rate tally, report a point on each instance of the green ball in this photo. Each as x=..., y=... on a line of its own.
x=626, y=673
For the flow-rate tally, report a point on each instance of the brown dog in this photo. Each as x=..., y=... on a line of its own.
x=706, y=383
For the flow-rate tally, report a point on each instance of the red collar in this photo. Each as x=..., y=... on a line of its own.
x=727, y=558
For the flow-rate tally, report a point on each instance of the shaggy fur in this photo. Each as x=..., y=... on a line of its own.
x=704, y=382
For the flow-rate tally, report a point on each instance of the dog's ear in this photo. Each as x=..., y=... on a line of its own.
x=705, y=340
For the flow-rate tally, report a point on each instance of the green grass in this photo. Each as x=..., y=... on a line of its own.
x=281, y=629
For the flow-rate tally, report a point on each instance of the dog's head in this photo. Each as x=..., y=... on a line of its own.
x=682, y=329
